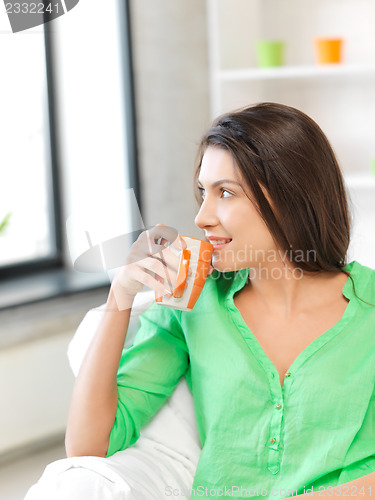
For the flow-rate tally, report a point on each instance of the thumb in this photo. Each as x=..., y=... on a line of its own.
x=182, y=242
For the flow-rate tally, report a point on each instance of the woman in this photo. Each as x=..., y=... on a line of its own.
x=279, y=351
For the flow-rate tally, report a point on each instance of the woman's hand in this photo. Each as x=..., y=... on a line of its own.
x=151, y=262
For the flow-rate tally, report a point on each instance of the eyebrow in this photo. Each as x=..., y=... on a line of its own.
x=222, y=181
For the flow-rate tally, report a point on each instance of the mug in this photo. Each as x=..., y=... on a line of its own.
x=197, y=256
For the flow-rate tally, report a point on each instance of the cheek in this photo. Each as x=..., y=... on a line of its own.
x=234, y=218
x=250, y=229
x=246, y=223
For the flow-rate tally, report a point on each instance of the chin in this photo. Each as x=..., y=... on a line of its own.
x=227, y=267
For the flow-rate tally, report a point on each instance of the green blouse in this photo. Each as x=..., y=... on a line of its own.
x=318, y=430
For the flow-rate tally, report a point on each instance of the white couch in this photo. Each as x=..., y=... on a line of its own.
x=161, y=463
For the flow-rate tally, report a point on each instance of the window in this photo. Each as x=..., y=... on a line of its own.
x=25, y=154
x=68, y=124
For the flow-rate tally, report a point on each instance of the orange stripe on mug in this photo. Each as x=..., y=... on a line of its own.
x=182, y=274
x=204, y=260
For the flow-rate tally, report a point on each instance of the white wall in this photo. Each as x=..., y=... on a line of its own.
x=35, y=387
x=36, y=381
x=172, y=100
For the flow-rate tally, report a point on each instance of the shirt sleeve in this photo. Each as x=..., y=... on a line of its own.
x=148, y=373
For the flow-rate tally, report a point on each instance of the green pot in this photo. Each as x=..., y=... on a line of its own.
x=269, y=53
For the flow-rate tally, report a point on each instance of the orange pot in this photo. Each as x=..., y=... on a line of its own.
x=328, y=50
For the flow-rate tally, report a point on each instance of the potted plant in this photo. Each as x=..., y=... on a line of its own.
x=5, y=221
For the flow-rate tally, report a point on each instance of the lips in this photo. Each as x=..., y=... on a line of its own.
x=212, y=237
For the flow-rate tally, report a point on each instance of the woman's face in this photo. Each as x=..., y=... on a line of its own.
x=229, y=219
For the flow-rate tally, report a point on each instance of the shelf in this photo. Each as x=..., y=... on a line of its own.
x=362, y=181
x=285, y=72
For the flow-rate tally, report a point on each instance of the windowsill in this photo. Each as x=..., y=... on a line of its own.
x=46, y=285
x=47, y=303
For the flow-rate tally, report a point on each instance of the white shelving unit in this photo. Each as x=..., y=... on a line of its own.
x=361, y=181
x=293, y=72
x=339, y=97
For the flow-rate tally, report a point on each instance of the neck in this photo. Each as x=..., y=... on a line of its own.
x=284, y=291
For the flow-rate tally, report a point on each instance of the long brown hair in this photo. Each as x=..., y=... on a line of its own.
x=282, y=150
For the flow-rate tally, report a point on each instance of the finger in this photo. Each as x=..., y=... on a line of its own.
x=166, y=232
x=159, y=269
x=173, y=262
x=165, y=277
x=147, y=275
x=156, y=284
x=180, y=243
x=160, y=236
x=170, y=257
x=167, y=290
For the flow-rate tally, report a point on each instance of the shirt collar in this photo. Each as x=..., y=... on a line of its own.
x=360, y=276
x=239, y=281
x=358, y=283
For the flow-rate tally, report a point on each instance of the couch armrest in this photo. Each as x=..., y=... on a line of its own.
x=174, y=426
x=86, y=329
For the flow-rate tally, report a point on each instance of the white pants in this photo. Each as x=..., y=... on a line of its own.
x=145, y=471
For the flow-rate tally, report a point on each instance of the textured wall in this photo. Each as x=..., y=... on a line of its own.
x=172, y=101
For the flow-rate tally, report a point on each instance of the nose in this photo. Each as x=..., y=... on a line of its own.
x=206, y=217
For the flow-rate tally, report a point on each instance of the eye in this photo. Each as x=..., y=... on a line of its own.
x=202, y=191
x=224, y=191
